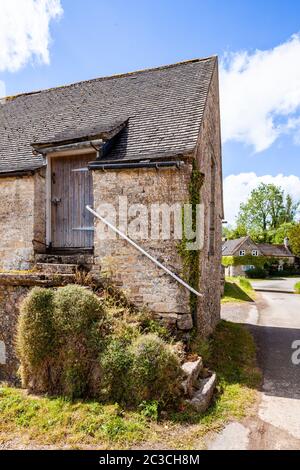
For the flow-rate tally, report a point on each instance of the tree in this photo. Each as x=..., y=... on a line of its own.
x=294, y=239
x=277, y=236
x=291, y=209
x=231, y=233
x=266, y=210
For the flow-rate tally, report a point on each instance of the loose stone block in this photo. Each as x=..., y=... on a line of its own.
x=191, y=372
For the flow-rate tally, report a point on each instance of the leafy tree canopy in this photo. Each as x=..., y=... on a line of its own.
x=294, y=236
x=267, y=216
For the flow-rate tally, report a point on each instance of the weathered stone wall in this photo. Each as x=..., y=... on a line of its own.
x=208, y=153
x=143, y=282
x=131, y=271
x=22, y=216
x=39, y=222
x=10, y=298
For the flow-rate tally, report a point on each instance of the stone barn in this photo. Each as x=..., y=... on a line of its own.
x=141, y=139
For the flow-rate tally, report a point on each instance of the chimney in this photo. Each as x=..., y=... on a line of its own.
x=286, y=242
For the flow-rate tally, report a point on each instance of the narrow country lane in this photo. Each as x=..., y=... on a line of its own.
x=275, y=324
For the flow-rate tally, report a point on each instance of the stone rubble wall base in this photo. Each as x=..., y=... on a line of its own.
x=10, y=299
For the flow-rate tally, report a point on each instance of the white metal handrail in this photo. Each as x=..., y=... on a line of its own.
x=139, y=248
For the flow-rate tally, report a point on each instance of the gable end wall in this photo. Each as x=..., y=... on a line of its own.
x=208, y=148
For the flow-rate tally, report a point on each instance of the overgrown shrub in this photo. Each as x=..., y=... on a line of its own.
x=155, y=371
x=76, y=308
x=256, y=273
x=115, y=363
x=297, y=287
x=36, y=338
x=71, y=343
x=60, y=334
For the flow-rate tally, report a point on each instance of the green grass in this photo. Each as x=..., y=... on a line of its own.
x=238, y=289
x=41, y=420
x=297, y=287
x=233, y=357
x=56, y=420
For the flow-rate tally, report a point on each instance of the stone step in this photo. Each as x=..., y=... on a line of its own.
x=191, y=371
x=77, y=258
x=54, y=268
x=36, y=279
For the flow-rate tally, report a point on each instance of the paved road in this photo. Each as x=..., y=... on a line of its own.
x=275, y=323
x=281, y=284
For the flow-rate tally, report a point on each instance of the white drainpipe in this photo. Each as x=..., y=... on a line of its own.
x=139, y=248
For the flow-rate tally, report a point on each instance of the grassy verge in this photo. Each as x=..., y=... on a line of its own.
x=297, y=287
x=238, y=289
x=39, y=421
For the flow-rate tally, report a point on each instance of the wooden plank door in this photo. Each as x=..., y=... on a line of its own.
x=71, y=190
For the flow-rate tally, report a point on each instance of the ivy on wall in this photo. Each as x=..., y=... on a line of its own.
x=257, y=261
x=191, y=258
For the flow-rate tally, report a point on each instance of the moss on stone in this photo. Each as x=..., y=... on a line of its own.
x=191, y=258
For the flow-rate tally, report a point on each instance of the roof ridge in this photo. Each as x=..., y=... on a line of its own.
x=5, y=99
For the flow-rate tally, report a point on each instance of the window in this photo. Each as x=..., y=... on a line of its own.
x=254, y=253
x=280, y=267
x=242, y=252
x=247, y=267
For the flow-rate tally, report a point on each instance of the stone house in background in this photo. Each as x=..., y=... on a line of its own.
x=244, y=247
x=139, y=135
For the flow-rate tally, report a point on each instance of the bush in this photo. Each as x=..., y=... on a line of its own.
x=297, y=287
x=76, y=308
x=70, y=344
x=115, y=362
x=36, y=339
x=35, y=333
x=155, y=372
x=60, y=334
x=257, y=273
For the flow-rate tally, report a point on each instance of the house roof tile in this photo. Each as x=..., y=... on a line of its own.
x=229, y=247
x=164, y=108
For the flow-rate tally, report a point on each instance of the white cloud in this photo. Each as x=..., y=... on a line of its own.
x=24, y=32
x=260, y=94
x=237, y=189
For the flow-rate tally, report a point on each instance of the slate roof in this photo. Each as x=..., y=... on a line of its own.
x=104, y=131
x=274, y=250
x=163, y=106
x=229, y=247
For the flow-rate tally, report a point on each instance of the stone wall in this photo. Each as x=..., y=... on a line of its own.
x=22, y=215
x=140, y=278
x=143, y=282
x=208, y=155
x=39, y=222
x=10, y=298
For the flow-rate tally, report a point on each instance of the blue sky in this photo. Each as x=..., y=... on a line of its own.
x=91, y=38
